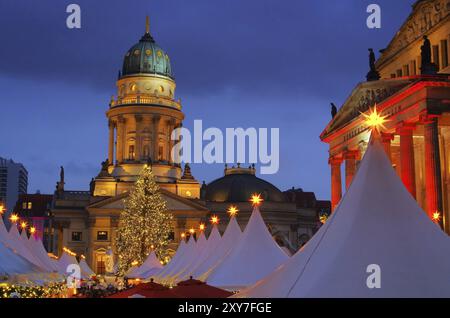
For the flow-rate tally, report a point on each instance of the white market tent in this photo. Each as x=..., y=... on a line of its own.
x=377, y=222
x=177, y=261
x=64, y=261
x=189, y=259
x=39, y=250
x=229, y=239
x=255, y=256
x=209, y=249
x=150, y=264
x=18, y=244
x=12, y=263
x=86, y=271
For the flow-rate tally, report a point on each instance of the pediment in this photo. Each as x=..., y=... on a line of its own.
x=174, y=202
x=364, y=96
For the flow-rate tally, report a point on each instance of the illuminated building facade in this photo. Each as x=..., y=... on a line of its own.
x=410, y=84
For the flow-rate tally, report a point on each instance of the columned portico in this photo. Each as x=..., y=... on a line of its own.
x=336, y=182
x=433, y=184
x=408, y=175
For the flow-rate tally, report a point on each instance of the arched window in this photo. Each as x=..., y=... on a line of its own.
x=160, y=152
x=145, y=151
x=131, y=153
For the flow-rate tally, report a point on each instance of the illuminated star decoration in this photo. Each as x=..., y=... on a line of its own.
x=256, y=199
x=201, y=226
x=374, y=119
x=232, y=210
x=32, y=230
x=436, y=216
x=14, y=218
x=214, y=219
x=191, y=230
x=23, y=225
x=183, y=235
x=2, y=209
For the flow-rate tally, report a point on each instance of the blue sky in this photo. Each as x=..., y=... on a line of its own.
x=237, y=63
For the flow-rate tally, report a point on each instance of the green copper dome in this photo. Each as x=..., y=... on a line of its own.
x=146, y=57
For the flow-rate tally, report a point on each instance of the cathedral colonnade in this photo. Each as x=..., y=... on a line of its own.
x=426, y=129
x=140, y=138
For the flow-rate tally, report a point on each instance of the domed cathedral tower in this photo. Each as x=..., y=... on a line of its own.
x=141, y=120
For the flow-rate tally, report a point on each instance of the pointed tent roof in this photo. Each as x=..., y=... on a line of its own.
x=174, y=267
x=86, y=271
x=151, y=262
x=255, y=256
x=175, y=259
x=229, y=239
x=210, y=248
x=64, y=261
x=39, y=251
x=377, y=222
x=190, y=259
x=17, y=244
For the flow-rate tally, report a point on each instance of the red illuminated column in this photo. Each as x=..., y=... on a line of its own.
x=350, y=166
x=407, y=157
x=336, y=183
x=386, y=139
x=432, y=166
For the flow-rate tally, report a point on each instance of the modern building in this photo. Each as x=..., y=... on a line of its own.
x=35, y=210
x=141, y=118
x=410, y=85
x=13, y=182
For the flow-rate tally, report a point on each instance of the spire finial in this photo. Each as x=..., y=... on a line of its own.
x=147, y=24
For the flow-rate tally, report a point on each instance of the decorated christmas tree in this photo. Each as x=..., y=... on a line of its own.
x=144, y=224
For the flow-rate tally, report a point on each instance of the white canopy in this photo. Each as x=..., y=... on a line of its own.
x=255, y=256
x=86, y=271
x=229, y=239
x=12, y=263
x=177, y=261
x=209, y=248
x=377, y=222
x=36, y=247
x=189, y=259
x=64, y=261
x=18, y=245
x=150, y=264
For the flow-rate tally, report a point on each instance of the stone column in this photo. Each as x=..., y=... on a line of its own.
x=120, y=139
x=407, y=157
x=336, y=183
x=433, y=177
x=138, y=143
x=170, y=142
x=350, y=166
x=111, y=143
x=156, y=120
x=386, y=140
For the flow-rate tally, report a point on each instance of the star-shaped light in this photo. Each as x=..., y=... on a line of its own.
x=183, y=235
x=256, y=199
x=2, y=209
x=436, y=216
x=374, y=119
x=233, y=210
x=14, y=218
x=32, y=230
x=214, y=219
x=23, y=225
x=192, y=230
x=202, y=226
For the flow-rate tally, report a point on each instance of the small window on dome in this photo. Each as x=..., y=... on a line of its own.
x=167, y=57
x=148, y=52
x=159, y=54
x=161, y=89
x=133, y=87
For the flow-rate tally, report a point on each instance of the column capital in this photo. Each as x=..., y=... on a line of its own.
x=121, y=119
x=111, y=123
x=351, y=154
x=156, y=118
x=404, y=128
x=335, y=160
x=426, y=118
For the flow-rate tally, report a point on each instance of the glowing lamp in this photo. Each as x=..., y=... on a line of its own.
x=23, y=225
x=201, y=226
x=32, y=230
x=214, y=219
x=2, y=209
x=191, y=230
x=436, y=216
x=14, y=218
x=134, y=263
x=233, y=210
x=374, y=119
x=183, y=235
x=256, y=199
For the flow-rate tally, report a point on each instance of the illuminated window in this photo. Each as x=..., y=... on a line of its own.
x=102, y=235
x=161, y=89
x=436, y=56
x=136, y=52
x=30, y=205
x=188, y=193
x=131, y=153
x=133, y=87
x=24, y=205
x=148, y=52
x=77, y=236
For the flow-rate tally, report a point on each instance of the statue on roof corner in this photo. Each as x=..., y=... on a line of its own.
x=373, y=74
x=333, y=110
x=427, y=67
